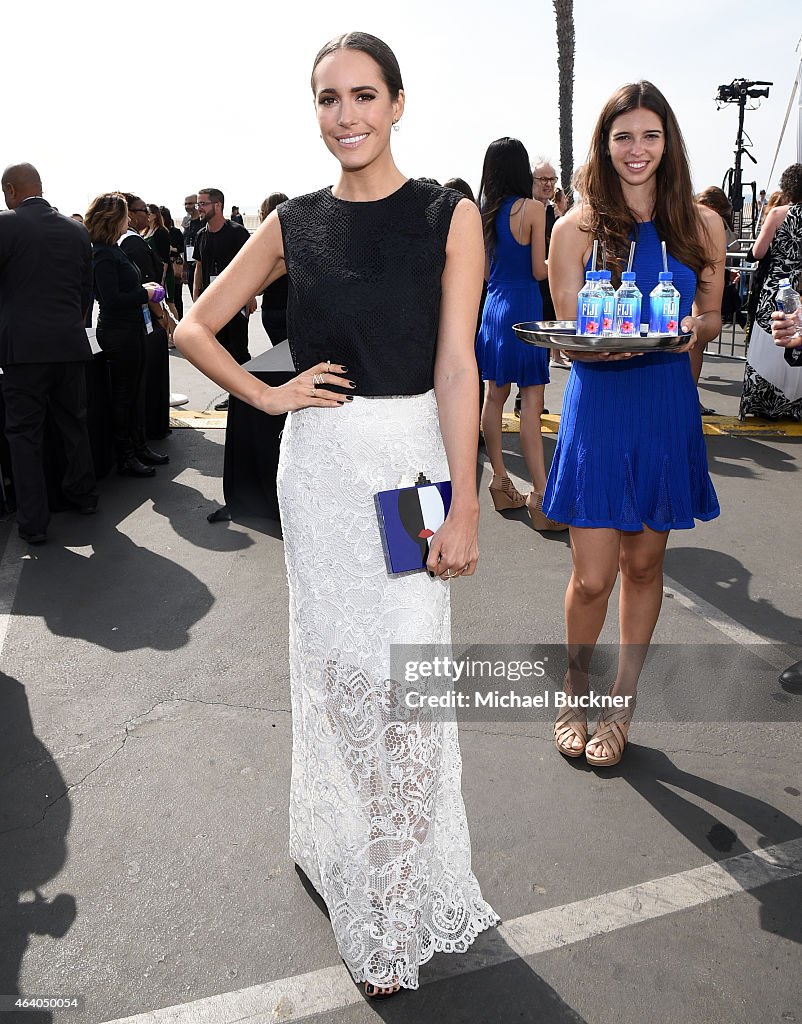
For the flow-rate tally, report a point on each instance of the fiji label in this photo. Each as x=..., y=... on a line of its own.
x=608, y=314
x=665, y=316
x=628, y=316
x=589, y=317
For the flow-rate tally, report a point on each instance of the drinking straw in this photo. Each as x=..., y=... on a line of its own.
x=631, y=257
x=595, y=252
x=665, y=258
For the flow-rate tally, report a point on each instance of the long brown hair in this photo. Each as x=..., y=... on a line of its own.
x=154, y=211
x=716, y=199
x=270, y=203
x=606, y=214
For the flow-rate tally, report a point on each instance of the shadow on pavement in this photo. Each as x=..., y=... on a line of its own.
x=656, y=778
x=732, y=456
x=464, y=990
x=723, y=581
x=35, y=817
x=121, y=596
x=506, y=992
x=122, y=593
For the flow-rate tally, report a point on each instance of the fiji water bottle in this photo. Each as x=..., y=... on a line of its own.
x=608, y=302
x=787, y=301
x=627, y=306
x=589, y=307
x=664, y=306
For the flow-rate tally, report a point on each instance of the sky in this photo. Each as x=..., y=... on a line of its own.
x=162, y=100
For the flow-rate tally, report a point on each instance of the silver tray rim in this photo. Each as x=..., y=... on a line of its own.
x=561, y=334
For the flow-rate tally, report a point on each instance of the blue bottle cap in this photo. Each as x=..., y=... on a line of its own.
x=665, y=275
x=605, y=275
x=628, y=275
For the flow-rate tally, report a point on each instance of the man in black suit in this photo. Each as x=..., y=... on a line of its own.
x=43, y=345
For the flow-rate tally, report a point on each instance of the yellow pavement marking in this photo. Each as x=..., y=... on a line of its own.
x=200, y=419
x=713, y=426
x=725, y=425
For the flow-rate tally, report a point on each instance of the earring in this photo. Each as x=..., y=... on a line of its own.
x=397, y=125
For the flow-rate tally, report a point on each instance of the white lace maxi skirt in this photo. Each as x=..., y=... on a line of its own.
x=377, y=820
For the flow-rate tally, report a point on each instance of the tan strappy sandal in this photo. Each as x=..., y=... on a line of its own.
x=505, y=495
x=612, y=730
x=540, y=521
x=568, y=727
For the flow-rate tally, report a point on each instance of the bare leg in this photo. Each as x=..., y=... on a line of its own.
x=531, y=437
x=641, y=564
x=495, y=397
x=595, y=554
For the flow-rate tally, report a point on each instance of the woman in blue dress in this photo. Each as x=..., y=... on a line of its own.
x=515, y=243
x=630, y=463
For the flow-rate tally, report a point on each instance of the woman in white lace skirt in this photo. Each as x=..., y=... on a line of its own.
x=385, y=276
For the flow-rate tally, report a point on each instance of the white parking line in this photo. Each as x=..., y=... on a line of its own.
x=724, y=624
x=300, y=996
x=10, y=572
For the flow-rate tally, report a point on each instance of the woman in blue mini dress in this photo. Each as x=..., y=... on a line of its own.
x=515, y=244
x=630, y=463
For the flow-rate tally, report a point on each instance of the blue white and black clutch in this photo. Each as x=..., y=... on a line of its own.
x=408, y=517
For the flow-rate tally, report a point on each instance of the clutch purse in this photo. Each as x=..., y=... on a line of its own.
x=408, y=517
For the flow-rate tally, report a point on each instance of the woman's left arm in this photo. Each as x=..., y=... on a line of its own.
x=704, y=323
x=454, y=549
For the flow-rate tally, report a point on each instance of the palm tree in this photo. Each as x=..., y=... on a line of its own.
x=564, y=13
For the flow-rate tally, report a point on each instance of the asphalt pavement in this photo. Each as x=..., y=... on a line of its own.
x=145, y=748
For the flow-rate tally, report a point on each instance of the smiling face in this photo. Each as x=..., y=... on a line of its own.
x=636, y=143
x=355, y=110
x=544, y=180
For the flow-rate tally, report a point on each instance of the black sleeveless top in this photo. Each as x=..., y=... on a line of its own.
x=365, y=284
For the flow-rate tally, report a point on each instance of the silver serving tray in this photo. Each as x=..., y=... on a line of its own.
x=561, y=334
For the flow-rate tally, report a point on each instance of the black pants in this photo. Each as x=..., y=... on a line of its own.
x=125, y=354
x=30, y=390
x=233, y=336
x=274, y=322
x=545, y=295
x=157, y=384
x=179, y=299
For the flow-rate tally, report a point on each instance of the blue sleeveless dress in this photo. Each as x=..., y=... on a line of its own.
x=630, y=449
x=513, y=297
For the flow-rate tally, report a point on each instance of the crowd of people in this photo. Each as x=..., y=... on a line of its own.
x=520, y=203
x=377, y=821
